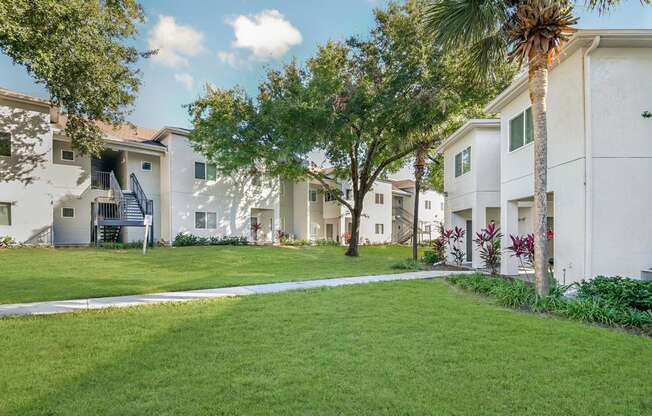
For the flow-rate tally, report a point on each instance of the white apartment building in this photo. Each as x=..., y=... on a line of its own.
x=599, y=159
x=51, y=194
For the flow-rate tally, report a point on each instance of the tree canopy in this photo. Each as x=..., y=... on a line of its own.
x=78, y=50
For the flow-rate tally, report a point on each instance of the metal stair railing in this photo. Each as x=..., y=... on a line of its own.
x=146, y=205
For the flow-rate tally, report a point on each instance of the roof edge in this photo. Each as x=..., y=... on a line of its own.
x=159, y=135
x=471, y=124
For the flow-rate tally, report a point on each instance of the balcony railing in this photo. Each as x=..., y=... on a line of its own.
x=101, y=180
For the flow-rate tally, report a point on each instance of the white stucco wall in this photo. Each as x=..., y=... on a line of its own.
x=232, y=198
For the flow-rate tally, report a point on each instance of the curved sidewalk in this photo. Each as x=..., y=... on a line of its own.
x=61, y=306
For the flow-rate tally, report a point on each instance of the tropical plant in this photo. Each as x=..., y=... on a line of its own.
x=532, y=31
x=439, y=247
x=488, y=243
x=523, y=249
x=454, y=238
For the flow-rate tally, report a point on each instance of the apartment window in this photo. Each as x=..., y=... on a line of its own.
x=380, y=228
x=349, y=194
x=312, y=195
x=255, y=181
x=205, y=220
x=428, y=204
x=5, y=144
x=521, y=130
x=463, y=162
x=146, y=166
x=380, y=199
x=206, y=171
x=5, y=213
x=427, y=229
x=328, y=196
x=67, y=155
x=67, y=212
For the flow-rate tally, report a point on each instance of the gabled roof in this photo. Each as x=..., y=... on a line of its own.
x=466, y=128
x=160, y=134
x=25, y=98
x=633, y=38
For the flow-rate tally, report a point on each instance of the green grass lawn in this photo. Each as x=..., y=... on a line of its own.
x=408, y=348
x=51, y=274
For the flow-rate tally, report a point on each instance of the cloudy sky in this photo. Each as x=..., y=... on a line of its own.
x=229, y=42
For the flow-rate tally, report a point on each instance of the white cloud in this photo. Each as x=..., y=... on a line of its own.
x=175, y=43
x=228, y=58
x=267, y=35
x=186, y=79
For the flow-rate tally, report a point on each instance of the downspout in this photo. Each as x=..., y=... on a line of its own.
x=588, y=162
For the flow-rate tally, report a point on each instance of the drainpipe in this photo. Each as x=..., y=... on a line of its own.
x=588, y=162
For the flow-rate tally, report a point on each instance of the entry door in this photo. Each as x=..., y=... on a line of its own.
x=469, y=240
x=329, y=231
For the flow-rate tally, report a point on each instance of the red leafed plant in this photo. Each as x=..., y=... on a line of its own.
x=347, y=237
x=488, y=243
x=454, y=238
x=523, y=249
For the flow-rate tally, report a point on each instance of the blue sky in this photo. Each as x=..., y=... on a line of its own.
x=229, y=42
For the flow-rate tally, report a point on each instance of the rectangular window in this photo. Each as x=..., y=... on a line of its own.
x=427, y=229
x=67, y=155
x=146, y=166
x=211, y=220
x=68, y=212
x=380, y=228
x=211, y=172
x=428, y=204
x=5, y=144
x=349, y=194
x=521, y=130
x=200, y=170
x=313, y=196
x=380, y=199
x=5, y=213
x=328, y=196
x=200, y=220
x=463, y=162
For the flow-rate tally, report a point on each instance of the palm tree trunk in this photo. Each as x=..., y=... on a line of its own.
x=418, y=177
x=538, y=86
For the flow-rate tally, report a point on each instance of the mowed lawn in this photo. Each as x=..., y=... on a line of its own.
x=35, y=274
x=408, y=348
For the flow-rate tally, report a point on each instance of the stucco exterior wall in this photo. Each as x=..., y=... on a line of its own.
x=232, y=198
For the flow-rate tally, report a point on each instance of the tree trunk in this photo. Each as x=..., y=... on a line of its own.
x=418, y=176
x=538, y=86
x=352, y=251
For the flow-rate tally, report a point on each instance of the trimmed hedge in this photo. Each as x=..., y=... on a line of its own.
x=184, y=240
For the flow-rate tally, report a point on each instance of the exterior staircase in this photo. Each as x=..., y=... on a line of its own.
x=121, y=208
x=405, y=219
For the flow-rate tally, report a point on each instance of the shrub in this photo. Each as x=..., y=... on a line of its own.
x=329, y=243
x=454, y=238
x=430, y=257
x=185, y=239
x=121, y=246
x=291, y=242
x=7, y=242
x=588, y=307
x=618, y=291
x=407, y=265
x=488, y=243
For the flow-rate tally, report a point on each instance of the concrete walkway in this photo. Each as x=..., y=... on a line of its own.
x=60, y=306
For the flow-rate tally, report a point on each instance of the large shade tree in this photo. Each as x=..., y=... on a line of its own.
x=365, y=104
x=526, y=31
x=78, y=50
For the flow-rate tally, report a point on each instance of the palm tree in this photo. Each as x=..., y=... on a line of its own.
x=532, y=31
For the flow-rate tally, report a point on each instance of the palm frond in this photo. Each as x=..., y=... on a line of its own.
x=605, y=6
x=455, y=23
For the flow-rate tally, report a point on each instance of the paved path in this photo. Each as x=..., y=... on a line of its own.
x=60, y=306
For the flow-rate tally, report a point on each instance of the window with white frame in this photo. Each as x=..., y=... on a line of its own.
x=463, y=162
x=5, y=213
x=521, y=130
x=67, y=155
x=328, y=197
x=5, y=144
x=205, y=171
x=145, y=166
x=205, y=220
x=428, y=204
x=312, y=195
x=380, y=228
x=380, y=199
x=67, y=212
